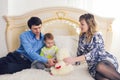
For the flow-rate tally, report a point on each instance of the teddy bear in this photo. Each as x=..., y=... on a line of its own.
x=61, y=68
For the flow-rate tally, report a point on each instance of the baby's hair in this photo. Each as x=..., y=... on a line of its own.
x=48, y=36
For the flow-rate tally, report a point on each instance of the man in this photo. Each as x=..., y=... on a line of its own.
x=31, y=43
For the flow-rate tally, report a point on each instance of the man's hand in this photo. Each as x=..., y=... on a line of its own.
x=51, y=62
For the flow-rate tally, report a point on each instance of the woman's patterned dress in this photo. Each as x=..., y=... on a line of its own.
x=94, y=52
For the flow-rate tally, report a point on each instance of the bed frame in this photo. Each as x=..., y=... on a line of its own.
x=57, y=20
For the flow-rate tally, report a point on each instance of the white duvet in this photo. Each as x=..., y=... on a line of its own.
x=80, y=73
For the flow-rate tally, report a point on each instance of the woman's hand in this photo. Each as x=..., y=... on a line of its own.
x=69, y=60
x=72, y=60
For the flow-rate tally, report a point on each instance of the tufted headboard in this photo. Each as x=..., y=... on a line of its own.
x=62, y=21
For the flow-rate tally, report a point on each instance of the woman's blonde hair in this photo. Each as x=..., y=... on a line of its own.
x=89, y=18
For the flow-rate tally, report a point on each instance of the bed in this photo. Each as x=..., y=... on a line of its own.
x=63, y=23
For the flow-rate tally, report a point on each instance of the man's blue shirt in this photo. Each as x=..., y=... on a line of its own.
x=30, y=47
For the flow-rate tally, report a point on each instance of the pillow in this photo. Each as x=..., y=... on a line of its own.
x=68, y=42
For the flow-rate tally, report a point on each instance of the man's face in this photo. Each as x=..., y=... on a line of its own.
x=36, y=29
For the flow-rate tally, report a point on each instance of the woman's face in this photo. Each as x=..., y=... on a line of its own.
x=84, y=27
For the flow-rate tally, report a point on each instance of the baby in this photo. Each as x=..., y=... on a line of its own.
x=49, y=51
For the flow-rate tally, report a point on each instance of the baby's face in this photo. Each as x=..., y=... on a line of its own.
x=49, y=43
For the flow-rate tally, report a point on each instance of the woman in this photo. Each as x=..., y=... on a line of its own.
x=101, y=64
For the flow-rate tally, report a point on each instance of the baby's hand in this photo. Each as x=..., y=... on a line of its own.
x=55, y=61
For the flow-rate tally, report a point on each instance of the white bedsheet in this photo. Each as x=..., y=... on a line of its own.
x=80, y=73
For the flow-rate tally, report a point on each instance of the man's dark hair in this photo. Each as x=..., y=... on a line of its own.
x=34, y=21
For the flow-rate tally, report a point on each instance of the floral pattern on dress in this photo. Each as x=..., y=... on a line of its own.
x=94, y=52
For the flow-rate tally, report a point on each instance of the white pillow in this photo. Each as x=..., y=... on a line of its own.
x=68, y=42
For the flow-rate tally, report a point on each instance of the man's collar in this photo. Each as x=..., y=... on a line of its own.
x=34, y=36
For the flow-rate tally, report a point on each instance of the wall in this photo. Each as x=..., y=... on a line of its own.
x=106, y=8
x=17, y=7
x=3, y=11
